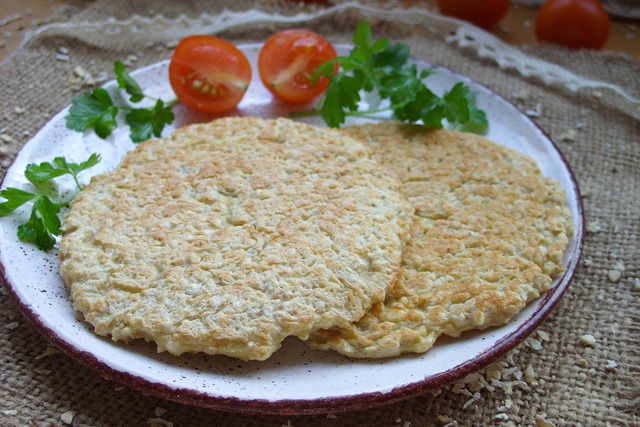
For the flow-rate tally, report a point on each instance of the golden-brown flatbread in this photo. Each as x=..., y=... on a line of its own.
x=488, y=234
x=227, y=237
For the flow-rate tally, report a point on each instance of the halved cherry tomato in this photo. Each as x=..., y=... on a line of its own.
x=209, y=74
x=483, y=13
x=573, y=23
x=287, y=63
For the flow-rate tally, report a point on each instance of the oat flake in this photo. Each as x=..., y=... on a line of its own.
x=67, y=417
x=614, y=275
x=588, y=340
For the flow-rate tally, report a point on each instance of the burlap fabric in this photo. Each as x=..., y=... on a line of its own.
x=555, y=376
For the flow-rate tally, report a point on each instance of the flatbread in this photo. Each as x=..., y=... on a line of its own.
x=488, y=234
x=227, y=237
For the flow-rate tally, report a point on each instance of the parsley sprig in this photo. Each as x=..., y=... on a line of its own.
x=98, y=110
x=44, y=223
x=384, y=67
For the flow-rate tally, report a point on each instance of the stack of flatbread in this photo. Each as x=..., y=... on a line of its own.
x=228, y=237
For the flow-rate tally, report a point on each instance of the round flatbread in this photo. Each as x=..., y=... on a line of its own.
x=488, y=234
x=227, y=237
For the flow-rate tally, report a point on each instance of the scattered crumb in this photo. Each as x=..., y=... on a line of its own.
x=119, y=388
x=159, y=422
x=610, y=366
x=7, y=138
x=529, y=374
x=130, y=60
x=588, y=340
x=544, y=336
x=541, y=422
x=594, y=226
x=474, y=398
x=569, y=135
x=10, y=412
x=471, y=378
x=533, y=344
x=67, y=417
x=522, y=96
x=332, y=416
x=13, y=325
x=614, y=276
x=444, y=419
x=535, y=112
x=160, y=411
x=583, y=363
x=48, y=352
x=597, y=94
x=501, y=416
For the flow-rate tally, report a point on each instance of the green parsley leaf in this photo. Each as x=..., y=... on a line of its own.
x=392, y=56
x=425, y=107
x=14, y=199
x=148, y=122
x=43, y=225
x=384, y=67
x=126, y=82
x=400, y=85
x=97, y=110
x=93, y=110
x=456, y=105
x=478, y=122
x=343, y=93
x=46, y=171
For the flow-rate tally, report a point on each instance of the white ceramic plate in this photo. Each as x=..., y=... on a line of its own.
x=295, y=380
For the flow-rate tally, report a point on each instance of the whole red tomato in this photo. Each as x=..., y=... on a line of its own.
x=573, y=23
x=483, y=13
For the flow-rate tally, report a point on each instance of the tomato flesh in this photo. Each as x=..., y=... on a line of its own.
x=483, y=13
x=287, y=62
x=209, y=74
x=573, y=23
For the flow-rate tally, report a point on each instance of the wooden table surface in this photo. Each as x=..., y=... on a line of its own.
x=517, y=27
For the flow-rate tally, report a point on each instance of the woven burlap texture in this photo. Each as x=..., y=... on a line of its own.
x=553, y=376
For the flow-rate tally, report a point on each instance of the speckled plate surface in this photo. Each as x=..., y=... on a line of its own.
x=295, y=380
